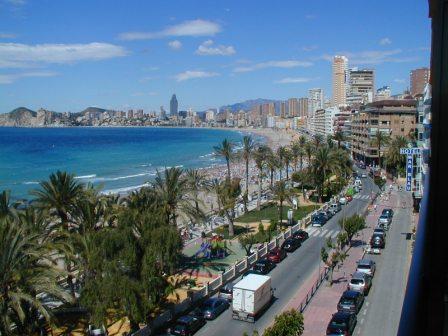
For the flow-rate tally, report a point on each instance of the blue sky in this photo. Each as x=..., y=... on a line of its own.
x=67, y=55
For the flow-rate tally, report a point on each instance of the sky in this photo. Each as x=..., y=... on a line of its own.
x=68, y=55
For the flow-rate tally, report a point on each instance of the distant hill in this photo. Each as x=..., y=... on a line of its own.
x=248, y=104
x=18, y=117
x=93, y=110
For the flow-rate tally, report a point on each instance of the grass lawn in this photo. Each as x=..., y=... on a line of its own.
x=224, y=230
x=269, y=211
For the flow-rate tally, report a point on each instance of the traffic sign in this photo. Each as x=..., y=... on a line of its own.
x=410, y=151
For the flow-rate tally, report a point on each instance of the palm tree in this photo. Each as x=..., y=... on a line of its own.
x=247, y=151
x=60, y=194
x=309, y=151
x=296, y=150
x=227, y=194
x=393, y=156
x=281, y=194
x=339, y=137
x=225, y=150
x=172, y=190
x=379, y=141
x=318, y=140
x=197, y=182
x=287, y=159
x=281, y=153
x=272, y=164
x=323, y=163
x=260, y=156
x=7, y=210
x=28, y=278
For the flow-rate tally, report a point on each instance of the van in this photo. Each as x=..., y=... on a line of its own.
x=334, y=208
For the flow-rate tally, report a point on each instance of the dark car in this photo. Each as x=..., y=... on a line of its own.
x=187, y=325
x=318, y=219
x=277, y=255
x=378, y=241
x=263, y=266
x=388, y=211
x=351, y=301
x=302, y=235
x=342, y=324
x=212, y=307
x=291, y=244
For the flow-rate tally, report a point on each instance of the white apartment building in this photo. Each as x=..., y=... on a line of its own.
x=315, y=99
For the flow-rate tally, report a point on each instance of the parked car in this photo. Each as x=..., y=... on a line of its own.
x=380, y=231
x=301, y=235
x=324, y=215
x=276, y=255
x=378, y=241
x=213, y=307
x=318, y=220
x=256, y=247
x=225, y=292
x=388, y=211
x=291, y=244
x=364, y=175
x=384, y=219
x=351, y=301
x=360, y=282
x=329, y=213
x=366, y=266
x=342, y=324
x=343, y=200
x=187, y=325
x=263, y=266
x=335, y=207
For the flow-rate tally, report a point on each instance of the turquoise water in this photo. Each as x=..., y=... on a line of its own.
x=118, y=159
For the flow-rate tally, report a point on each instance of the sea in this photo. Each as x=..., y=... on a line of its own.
x=115, y=159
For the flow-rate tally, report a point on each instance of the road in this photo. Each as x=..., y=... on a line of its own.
x=290, y=274
x=381, y=312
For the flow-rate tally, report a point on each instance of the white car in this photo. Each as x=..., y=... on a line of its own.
x=364, y=175
x=343, y=200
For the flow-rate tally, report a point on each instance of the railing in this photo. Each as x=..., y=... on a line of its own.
x=313, y=290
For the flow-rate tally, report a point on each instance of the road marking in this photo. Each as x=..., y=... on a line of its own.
x=328, y=234
x=364, y=312
x=361, y=321
x=334, y=234
x=367, y=303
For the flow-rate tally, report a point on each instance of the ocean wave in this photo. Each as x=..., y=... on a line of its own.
x=124, y=189
x=30, y=182
x=206, y=155
x=118, y=178
x=85, y=177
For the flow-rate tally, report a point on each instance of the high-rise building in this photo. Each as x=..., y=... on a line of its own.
x=283, y=109
x=174, y=105
x=130, y=114
x=340, y=64
x=383, y=93
x=361, y=86
x=315, y=99
x=271, y=109
x=304, y=104
x=293, y=107
x=418, y=80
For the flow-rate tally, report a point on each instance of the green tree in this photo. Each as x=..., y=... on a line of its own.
x=324, y=162
x=394, y=159
x=379, y=141
x=352, y=225
x=247, y=241
x=339, y=137
x=196, y=183
x=288, y=323
x=281, y=154
x=7, y=209
x=272, y=164
x=228, y=193
x=60, y=193
x=225, y=150
x=309, y=151
x=260, y=157
x=318, y=140
x=281, y=195
x=248, y=149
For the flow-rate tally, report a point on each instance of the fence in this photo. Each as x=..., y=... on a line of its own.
x=313, y=290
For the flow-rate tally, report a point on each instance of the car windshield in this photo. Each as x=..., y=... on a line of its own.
x=207, y=304
x=346, y=301
x=366, y=267
x=180, y=327
x=357, y=281
x=338, y=324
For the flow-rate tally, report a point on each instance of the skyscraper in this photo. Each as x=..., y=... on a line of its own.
x=361, y=86
x=283, y=109
x=173, y=106
x=293, y=107
x=303, y=107
x=315, y=99
x=418, y=79
x=340, y=64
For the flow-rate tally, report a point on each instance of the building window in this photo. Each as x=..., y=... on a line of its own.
x=383, y=122
x=402, y=130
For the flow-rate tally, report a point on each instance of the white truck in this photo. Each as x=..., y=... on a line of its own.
x=251, y=296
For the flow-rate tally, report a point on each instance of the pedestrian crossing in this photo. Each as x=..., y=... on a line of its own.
x=321, y=232
x=361, y=197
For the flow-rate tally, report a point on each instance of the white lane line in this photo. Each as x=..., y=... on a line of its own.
x=362, y=321
x=328, y=234
x=334, y=234
x=364, y=312
x=367, y=303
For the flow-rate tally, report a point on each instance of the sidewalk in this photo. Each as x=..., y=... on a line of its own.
x=324, y=303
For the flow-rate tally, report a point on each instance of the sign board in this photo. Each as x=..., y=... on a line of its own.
x=410, y=151
x=409, y=171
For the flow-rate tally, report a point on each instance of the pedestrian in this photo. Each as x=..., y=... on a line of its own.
x=374, y=207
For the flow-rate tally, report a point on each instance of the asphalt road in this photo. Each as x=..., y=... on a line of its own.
x=381, y=312
x=290, y=274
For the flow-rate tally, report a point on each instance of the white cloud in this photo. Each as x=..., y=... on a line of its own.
x=399, y=80
x=273, y=64
x=175, y=45
x=11, y=78
x=188, y=28
x=385, y=41
x=7, y=36
x=373, y=57
x=291, y=80
x=16, y=55
x=183, y=76
x=309, y=48
x=208, y=48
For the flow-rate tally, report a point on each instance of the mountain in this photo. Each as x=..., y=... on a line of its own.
x=18, y=117
x=248, y=104
x=93, y=110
